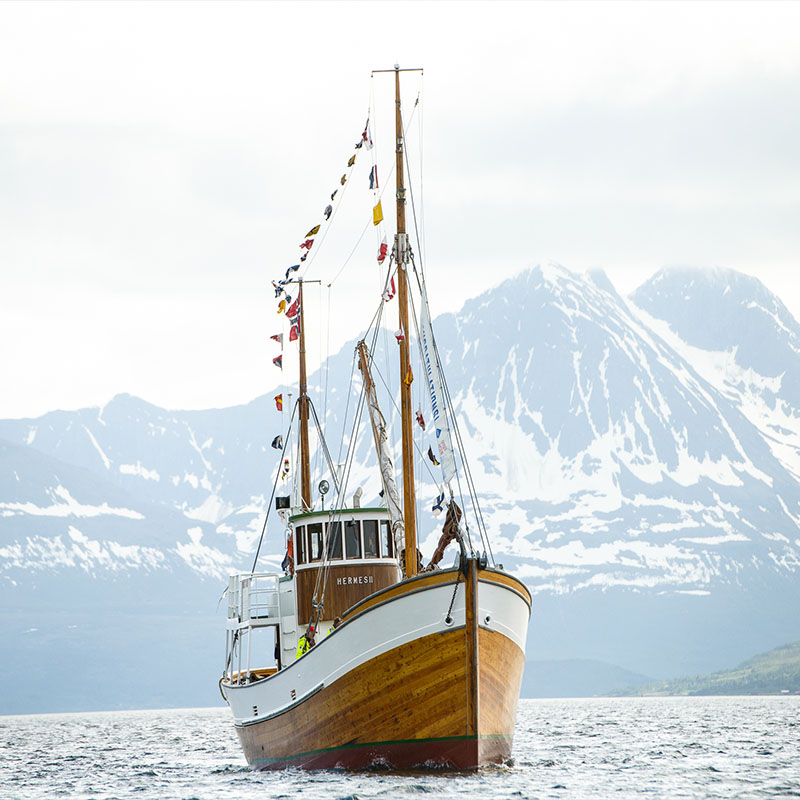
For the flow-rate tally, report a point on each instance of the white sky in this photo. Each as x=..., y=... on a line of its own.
x=160, y=162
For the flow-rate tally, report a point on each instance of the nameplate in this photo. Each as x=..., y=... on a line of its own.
x=349, y=580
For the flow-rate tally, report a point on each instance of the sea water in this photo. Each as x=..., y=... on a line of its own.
x=723, y=747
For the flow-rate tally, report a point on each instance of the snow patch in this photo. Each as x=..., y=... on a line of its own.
x=138, y=469
x=69, y=507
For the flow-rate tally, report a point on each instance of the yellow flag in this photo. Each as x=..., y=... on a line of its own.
x=351, y=161
x=377, y=214
x=282, y=306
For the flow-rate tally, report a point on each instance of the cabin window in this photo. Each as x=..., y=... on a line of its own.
x=315, y=541
x=335, y=540
x=387, y=551
x=300, y=544
x=352, y=539
x=370, y=527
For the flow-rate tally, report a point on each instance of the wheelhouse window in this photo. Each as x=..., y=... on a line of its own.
x=370, y=528
x=335, y=540
x=315, y=541
x=300, y=544
x=387, y=550
x=352, y=539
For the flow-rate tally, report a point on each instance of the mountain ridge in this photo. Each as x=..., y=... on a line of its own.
x=774, y=672
x=634, y=479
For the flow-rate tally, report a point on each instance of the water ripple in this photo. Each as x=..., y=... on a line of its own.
x=676, y=748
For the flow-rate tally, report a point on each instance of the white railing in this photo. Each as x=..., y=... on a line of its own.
x=253, y=598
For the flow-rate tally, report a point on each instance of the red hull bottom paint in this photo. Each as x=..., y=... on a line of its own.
x=459, y=753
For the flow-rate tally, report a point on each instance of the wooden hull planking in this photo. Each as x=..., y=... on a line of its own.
x=448, y=699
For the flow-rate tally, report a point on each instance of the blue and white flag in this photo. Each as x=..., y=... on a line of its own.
x=444, y=443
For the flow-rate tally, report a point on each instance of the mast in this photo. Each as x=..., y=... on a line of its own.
x=305, y=461
x=401, y=252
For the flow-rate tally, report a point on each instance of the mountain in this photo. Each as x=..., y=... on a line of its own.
x=577, y=678
x=637, y=464
x=775, y=672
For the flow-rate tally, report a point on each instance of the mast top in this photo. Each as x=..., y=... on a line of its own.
x=398, y=68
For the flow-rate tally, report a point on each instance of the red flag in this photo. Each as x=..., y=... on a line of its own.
x=294, y=332
x=279, y=402
x=382, y=250
x=398, y=334
x=389, y=293
x=278, y=362
x=278, y=337
x=366, y=137
x=293, y=308
x=308, y=243
x=420, y=418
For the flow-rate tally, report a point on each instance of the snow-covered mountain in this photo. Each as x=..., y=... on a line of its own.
x=632, y=465
x=637, y=462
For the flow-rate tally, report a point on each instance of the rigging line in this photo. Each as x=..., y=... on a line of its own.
x=324, y=446
x=419, y=452
x=274, y=487
x=352, y=253
x=470, y=482
x=421, y=139
x=327, y=358
x=324, y=570
x=411, y=184
x=326, y=565
x=420, y=277
x=366, y=227
x=376, y=317
x=309, y=261
x=346, y=412
x=318, y=387
x=450, y=416
x=482, y=532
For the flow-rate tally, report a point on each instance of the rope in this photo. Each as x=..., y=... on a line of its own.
x=274, y=487
x=420, y=276
x=324, y=446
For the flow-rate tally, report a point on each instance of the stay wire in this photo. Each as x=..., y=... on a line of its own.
x=380, y=197
x=274, y=487
x=322, y=574
x=448, y=416
x=324, y=445
x=420, y=275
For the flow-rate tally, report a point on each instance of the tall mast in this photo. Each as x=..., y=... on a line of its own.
x=401, y=251
x=305, y=461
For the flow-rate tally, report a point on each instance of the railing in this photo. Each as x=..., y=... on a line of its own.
x=253, y=598
x=253, y=604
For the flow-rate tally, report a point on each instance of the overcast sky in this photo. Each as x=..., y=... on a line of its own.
x=159, y=164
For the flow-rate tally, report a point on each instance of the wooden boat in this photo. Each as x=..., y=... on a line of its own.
x=412, y=666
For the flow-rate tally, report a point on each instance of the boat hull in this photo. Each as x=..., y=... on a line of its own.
x=446, y=698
